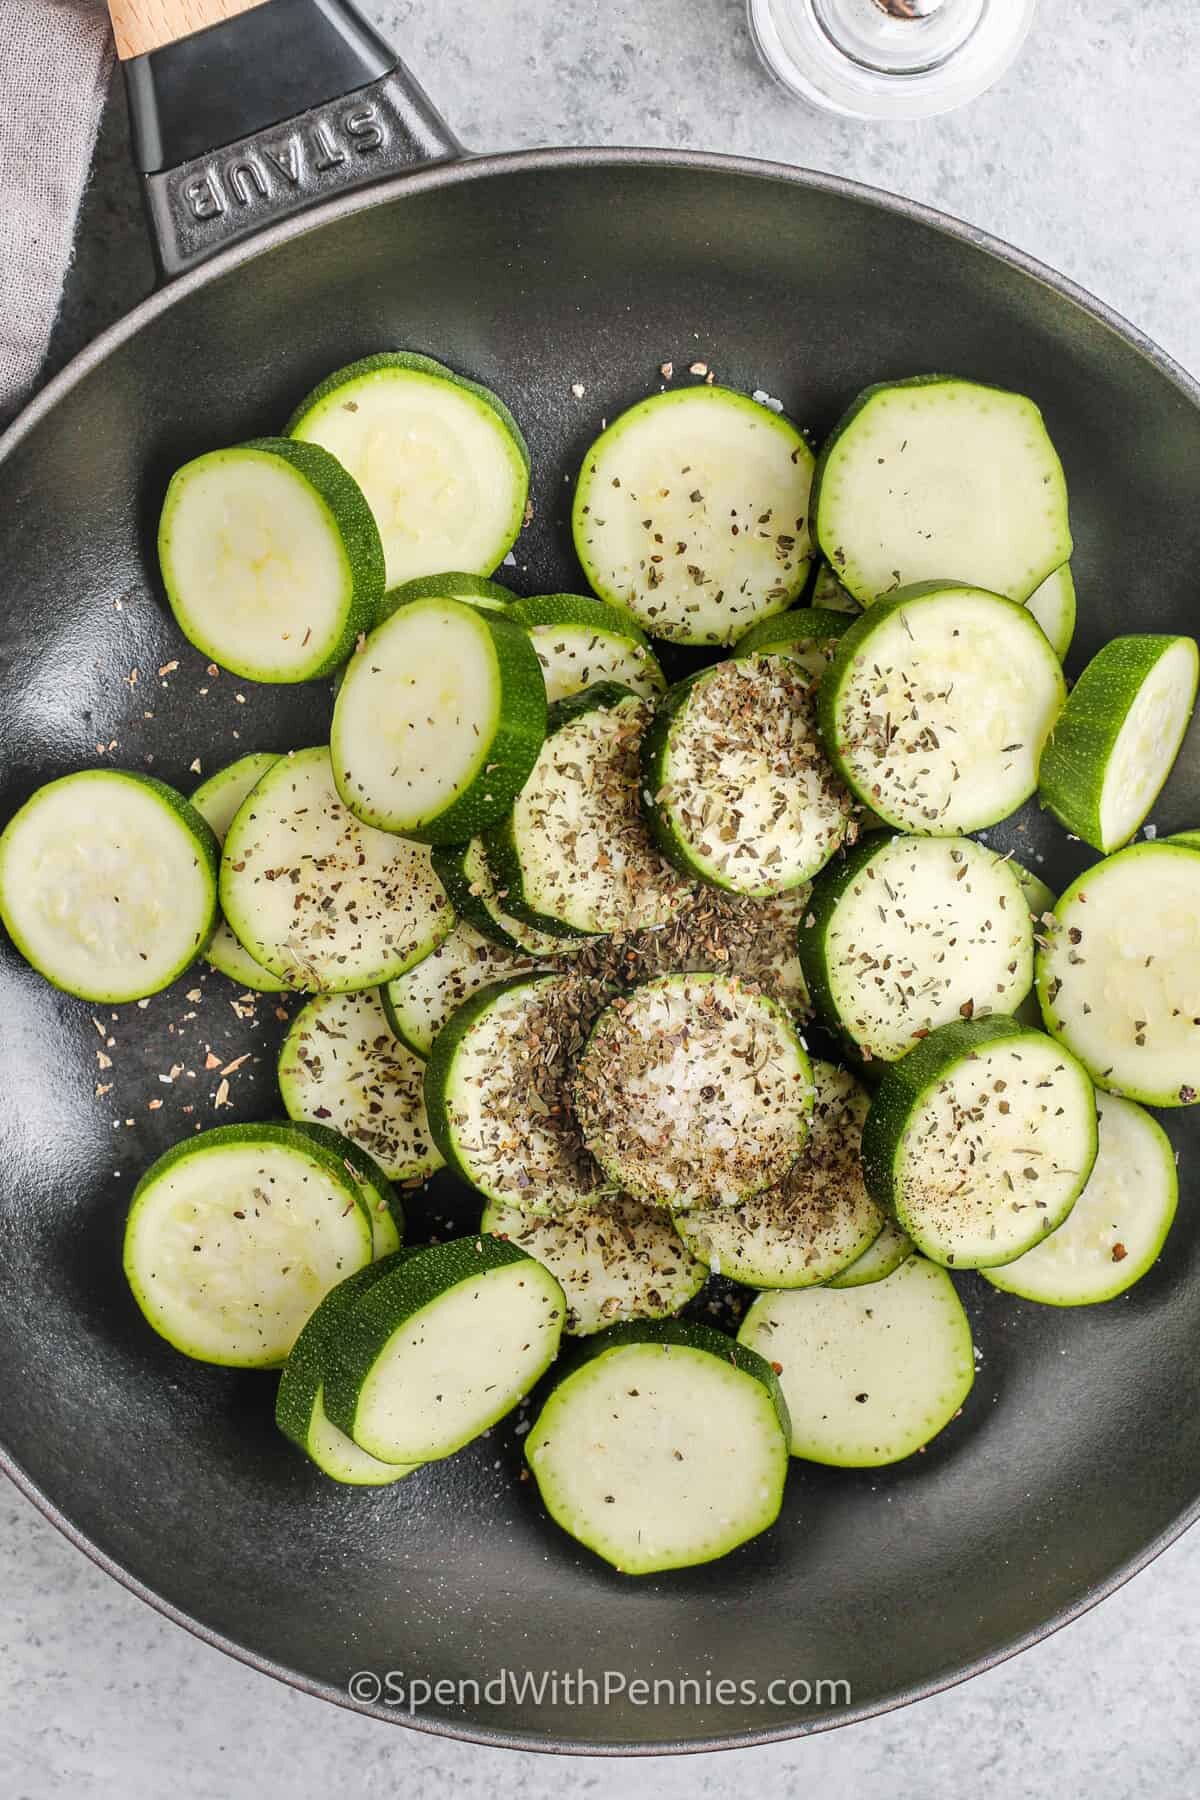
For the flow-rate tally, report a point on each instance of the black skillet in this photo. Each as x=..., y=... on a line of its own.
x=1078, y=1454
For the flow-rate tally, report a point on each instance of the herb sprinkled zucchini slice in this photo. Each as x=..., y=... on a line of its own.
x=465, y=873
x=375, y=1190
x=419, y=1002
x=580, y=640
x=891, y=1248
x=806, y=635
x=217, y=801
x=455, y=584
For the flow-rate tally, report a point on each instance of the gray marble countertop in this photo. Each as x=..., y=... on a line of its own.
x=1084, y=156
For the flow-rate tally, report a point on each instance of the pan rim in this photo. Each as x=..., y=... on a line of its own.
x=446, y=174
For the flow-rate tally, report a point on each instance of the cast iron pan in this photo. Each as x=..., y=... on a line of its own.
x=1077, y=1457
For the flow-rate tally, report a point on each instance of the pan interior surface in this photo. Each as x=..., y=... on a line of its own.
x=1078, y=1450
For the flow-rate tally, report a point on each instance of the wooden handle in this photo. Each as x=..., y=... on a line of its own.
x=142, y=25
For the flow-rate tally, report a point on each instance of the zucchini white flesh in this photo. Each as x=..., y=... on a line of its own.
x=1117, y=737
x=320, y=899
x=694, y=1090
x=217, y=800
x=804, y=635
x=937, y=705
x=271, y=559
x=438, y=721
x=580, y=640
x=108, y=884
x=941, y=479
x=736, y=783
x=816, y=1221
x=576, y=855
x=496, y=1087
x=1116, y=1228
x=440, y=1348
x=419, y=1002
x=300, y=1402
x=662, y=1447
x=455, y=584
x=615, y=1259
x=341, y=1065
x=1053, y=606
x=1119, y=973
x=440, y=459
x=374, y=1189
x=908, y=933
x=236, y=1235
x=979, y=1141
x=692, y=510
x=891, y=1248
x=870, y=1374
x=827, y=591
x=464, y=872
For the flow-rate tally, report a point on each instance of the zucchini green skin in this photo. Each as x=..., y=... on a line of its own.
x=412, y=1282
x=579, y=609
x=835, y=878
x=504, y=761
x=802, y=625
x=362, y=547
x=226, y=953
x=879, y=1260
x=450, y=867
x=367, y=1171
x=1071, y=779
x=440, y=1065
x=1190, y=840
x=208, y=854
x=303, y=1373
x=655, y=749
x=454, y=585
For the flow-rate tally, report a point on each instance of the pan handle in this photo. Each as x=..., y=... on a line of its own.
x=245, y=111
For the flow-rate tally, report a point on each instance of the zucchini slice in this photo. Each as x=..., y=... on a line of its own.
x=1039, y=898
x=1189, y=839
x=806, y=635
x=464, y=872
x=496, y=1091
x=694, y=1090
x=108, y=884
x=891, y=1248
x=271, y=559
x=300, y=1401
x=870, y=1374
x=1119, y=974
x=827, y=591
x=692, y=510
x=419, y=1002
x=908, y=933
x=375, y=1190
x=580, y=640
x=1115, y=742
x=236, y=1235
x=341, y=1065
x=979, y=1141
x=440, y=459
x=438, y=721
x=615, y=1259
x=941, y=479
x=454, y=584
x=662, y=1446
x=735, y=781
x=320, y=899
x=1053, y=606
x=812, y=1224
x=576, y=857
x=441, y=1347
x=1116, y=1228
x=217, y=801
x=937, y=705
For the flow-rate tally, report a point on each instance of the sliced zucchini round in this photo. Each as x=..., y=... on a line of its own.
x=300, y=1401
x=454, y=584
x=1119, y=973
x=236, y=1235
x=908, y=933
x=419, y=1002
x=735, y=782
x=441, y=1347
x=217, y=800
x=108, y=884
x=694, y=1090
x=979, y=1141
x=440, y=459
x=1118, y=1225
x=870, y=1374
x=375, y=1190
x=891, y=1248
x=692, y=510
x=813, y=1223
x=1115, y=742
x=271, y=559
x=662, y=1446
x=805, y=635
x=827, y=591
x=614, y=1259
x=576, y=856
x=937, y=705
x=580, y=640
x=941, y=479
x=320, y=899
x=464, y=872
x=1053, y=606
x=438, y=721
x=496, y=1091
x=341, y=1065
